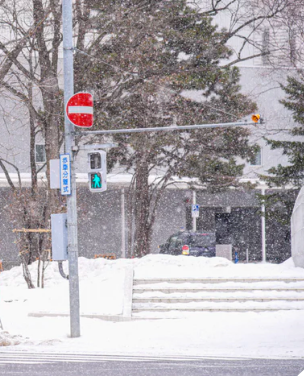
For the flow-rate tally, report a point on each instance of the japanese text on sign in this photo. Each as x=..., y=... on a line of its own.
x=65, y=174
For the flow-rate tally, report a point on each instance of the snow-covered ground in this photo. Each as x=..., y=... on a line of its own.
x=249, y=334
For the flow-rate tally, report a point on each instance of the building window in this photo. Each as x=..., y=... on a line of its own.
x=265, y=46
x=278, y=45
x=40, y=153
x=256, y=160
x=292, y=46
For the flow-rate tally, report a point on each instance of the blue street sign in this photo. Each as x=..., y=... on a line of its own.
x=195, y=211
x=65, y=174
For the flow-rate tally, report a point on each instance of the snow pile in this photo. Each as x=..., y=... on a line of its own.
x=104, y=274
x=9, y=340
x=101, y=288
x=158, y=266
x=253, y=334
x=165, y=266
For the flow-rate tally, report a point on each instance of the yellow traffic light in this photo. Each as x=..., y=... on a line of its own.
x=255, y=118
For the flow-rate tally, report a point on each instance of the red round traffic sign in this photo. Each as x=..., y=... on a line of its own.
x=79, y=109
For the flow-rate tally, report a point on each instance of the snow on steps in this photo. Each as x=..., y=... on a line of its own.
x=180, y=297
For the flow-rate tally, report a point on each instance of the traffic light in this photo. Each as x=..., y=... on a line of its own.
x=255, y=118
x=97, y=161
x=96, y=180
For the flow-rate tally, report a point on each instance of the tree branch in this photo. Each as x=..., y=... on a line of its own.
x=24, y=99
x=8, y=178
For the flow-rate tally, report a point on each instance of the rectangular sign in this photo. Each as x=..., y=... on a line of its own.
x=65, y=174
x=59, y=237
x=54, y=174
x=195, y=211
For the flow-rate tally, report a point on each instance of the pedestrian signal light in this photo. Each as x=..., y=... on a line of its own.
x=96, y=180
x=255, y=118
x=97, y=170
x=95, y=161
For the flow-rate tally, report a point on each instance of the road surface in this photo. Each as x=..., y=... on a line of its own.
x=19, y=363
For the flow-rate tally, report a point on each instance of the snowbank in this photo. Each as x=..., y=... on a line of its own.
x=268, y=334
x=7, y=339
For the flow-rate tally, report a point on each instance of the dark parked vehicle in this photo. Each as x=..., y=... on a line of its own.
x=190, y=244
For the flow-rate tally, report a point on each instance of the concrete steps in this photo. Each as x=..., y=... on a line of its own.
x=189, y=300
x=177, y=297
x=137, y=282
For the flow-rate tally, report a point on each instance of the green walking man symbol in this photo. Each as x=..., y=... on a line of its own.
x=96, y=181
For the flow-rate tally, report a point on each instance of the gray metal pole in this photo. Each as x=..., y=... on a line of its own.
x=194, y=218
x=164, y=129
x=123, y=227
x=263, y=225
x=69, y=141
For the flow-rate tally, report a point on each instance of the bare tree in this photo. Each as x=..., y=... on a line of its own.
x=30, y=76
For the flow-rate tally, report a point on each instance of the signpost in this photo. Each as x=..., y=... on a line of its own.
x=195, y=211
x=79, y=110
x=65, y=174
x=67, y=26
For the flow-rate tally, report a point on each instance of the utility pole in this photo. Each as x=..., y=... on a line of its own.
x=69, y=141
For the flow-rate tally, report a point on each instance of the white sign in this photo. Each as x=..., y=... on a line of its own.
x=195, y=211
x=65, y=174
x=54, y=174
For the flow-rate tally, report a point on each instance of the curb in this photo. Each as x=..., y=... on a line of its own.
x=114, y=318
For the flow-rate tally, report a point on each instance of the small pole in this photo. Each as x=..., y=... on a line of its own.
x=263, y=225
x=194, y=218
x=123, y=226
x=67, y=19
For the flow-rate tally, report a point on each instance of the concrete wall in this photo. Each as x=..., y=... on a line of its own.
x=100, y=223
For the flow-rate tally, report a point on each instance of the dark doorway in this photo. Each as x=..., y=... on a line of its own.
x=223, y=228
x=242, y=229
